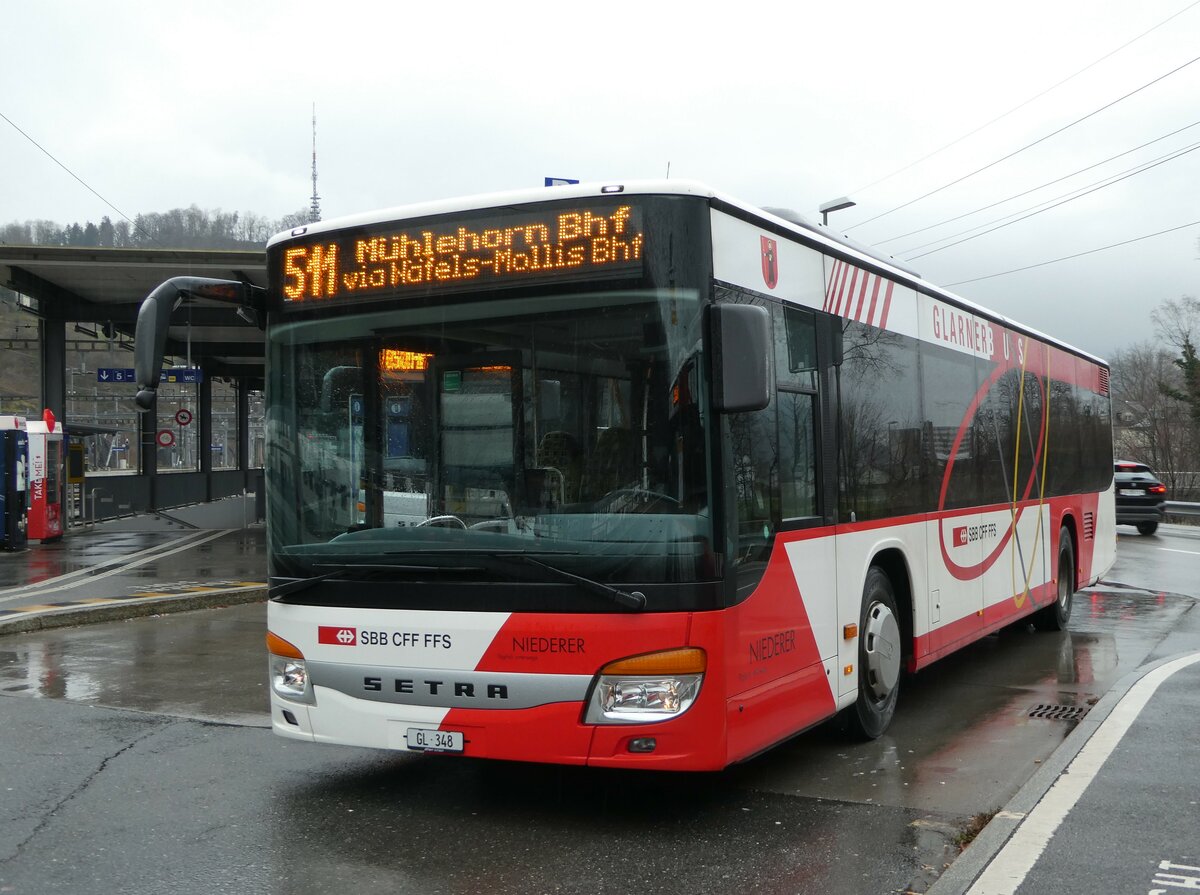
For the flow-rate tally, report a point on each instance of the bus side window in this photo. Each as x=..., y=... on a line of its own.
x=754, y=452
x=797, y=455
x=796, y=374
x=884, y=443
x=752, y=443
x=800, y=331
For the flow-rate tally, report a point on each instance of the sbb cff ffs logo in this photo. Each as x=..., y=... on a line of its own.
x=964, y=534
x=337, y=636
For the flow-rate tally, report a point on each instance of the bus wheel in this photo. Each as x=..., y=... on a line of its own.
x=879, y=656
x=1055, y=617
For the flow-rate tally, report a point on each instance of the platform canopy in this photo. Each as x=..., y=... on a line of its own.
x=105, y=287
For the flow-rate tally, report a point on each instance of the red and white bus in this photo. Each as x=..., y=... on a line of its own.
x=639, y=475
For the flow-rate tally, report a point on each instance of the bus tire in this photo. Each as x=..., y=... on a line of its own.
x=880, y=653
x=1056, y=616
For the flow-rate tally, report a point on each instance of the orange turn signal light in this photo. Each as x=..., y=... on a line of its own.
x=277, y=646
x=688, y=660
x=849, y=632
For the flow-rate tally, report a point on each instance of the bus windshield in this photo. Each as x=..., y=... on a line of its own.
x=439, y=441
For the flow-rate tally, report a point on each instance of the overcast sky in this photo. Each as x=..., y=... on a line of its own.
x=162, y=105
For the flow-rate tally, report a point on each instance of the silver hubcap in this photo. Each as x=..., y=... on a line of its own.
x=881, y=643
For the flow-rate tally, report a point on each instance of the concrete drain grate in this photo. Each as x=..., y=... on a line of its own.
x=1058, y=712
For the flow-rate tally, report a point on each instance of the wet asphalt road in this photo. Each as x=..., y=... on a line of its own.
x=146, y=766
x=97, y=563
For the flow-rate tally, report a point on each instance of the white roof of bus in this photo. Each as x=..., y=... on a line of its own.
x=484, y=201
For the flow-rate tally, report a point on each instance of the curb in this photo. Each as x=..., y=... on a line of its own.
x=967, y=868
x=93, y=613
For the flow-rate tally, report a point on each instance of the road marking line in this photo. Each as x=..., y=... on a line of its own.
x=42, y=590
x=51, y=583
x=1172, y=550
x=1006, y=872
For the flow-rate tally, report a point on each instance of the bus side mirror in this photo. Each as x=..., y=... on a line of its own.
x=741, y=340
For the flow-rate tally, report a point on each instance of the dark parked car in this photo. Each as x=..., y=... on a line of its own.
x=1141, y=498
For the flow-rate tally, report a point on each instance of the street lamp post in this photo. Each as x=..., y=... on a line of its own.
x=834, y=205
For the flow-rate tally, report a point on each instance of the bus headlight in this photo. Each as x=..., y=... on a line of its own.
x=647, y=688
x=289, y=673
x=289, y=677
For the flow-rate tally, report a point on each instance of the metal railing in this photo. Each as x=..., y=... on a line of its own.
x=1182, y=508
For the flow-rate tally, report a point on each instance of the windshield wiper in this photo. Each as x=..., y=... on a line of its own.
x=629, y=599
x=302, y=584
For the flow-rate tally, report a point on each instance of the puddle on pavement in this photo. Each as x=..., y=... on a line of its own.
x=963, y=740
x=209, y=665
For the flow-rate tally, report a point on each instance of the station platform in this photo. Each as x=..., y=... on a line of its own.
x=128, y=568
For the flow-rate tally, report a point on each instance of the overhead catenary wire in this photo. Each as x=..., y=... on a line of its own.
x=967, y=214
x=1027, y=146
x=1022, y=105
x=1050, y=204
x=1114, y=245
x=81, y=181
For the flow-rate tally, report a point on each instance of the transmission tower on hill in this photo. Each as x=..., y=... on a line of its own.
x=314, y=210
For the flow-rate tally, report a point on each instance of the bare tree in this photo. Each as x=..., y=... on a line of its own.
x=293, y=220
x=180, y=228
x=1150, y=421
x=1178, y=323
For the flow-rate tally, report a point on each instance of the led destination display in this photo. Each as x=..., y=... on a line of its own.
x=526, y=247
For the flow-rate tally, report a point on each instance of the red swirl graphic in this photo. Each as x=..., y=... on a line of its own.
x=966, y=573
